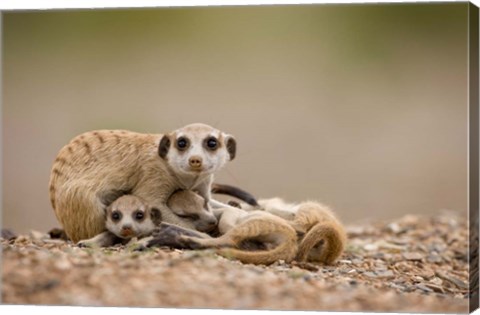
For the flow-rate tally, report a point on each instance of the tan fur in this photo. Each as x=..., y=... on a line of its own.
x=280, y=238
x=189, y=204
x=323, y=237
x=97, y=167
x=237, y=226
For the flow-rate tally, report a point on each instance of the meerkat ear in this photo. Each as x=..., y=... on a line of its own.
x=156, y=216
x=231, y=145
x=164, y=146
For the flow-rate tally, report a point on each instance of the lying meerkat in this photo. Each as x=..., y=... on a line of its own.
x=97, y=167
x=129, y=216
x=237, y=228
x=126, y=218
x=322, y=236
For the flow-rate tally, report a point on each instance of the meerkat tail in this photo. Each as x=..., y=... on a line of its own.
x=234, y=192
x=279, y=237
x=285, y=251
x=263, y=229
x=329, y=237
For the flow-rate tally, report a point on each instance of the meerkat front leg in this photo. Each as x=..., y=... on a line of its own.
x=104, y=239
x=204, y=190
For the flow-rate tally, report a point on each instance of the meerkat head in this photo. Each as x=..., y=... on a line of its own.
x=129, y=216
x=197, y=149
x=188, y=204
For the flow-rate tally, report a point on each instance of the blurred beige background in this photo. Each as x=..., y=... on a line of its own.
x=363, y=107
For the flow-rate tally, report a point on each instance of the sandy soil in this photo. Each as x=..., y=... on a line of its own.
x=414, y=264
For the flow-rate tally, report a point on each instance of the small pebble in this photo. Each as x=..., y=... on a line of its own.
x=423, y=288
x=413, y=256
x=370, y=247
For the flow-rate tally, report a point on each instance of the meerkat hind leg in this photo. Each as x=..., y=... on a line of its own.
x=201, y=243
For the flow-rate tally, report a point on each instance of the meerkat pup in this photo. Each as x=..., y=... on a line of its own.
x=237, y=228
x=322, y=237
x=126, y=218
x=97, y=167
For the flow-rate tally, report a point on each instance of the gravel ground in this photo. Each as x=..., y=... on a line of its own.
x=414, y=264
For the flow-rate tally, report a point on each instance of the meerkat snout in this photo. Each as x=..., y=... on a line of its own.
x=126, y=230
x=195, y=162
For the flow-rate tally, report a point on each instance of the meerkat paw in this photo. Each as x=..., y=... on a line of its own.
x=139, y=248
x=87, y=244
x=139, y=245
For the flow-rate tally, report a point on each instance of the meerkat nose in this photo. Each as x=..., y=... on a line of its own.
x=126, y=227
x=126, y=230
x=195, y=162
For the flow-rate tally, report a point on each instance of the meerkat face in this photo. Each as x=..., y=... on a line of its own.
x=129, y=216
x=197, y=149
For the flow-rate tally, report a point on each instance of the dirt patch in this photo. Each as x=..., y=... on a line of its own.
x=414, y=264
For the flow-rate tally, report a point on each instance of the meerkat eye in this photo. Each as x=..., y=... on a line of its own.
x=116, y=215
x=212, y=143
x=139, y=215
x=182, y=143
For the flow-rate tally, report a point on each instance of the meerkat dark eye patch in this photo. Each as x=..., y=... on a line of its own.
x=164, y=147
x=138, y=215
x=211, y=143
x=182, y=143
x=156, y=216
x=116, y=216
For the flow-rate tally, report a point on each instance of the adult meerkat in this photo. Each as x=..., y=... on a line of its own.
x=126, y=218
x=97, y=167
x=238, y=229
x=322, y=236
